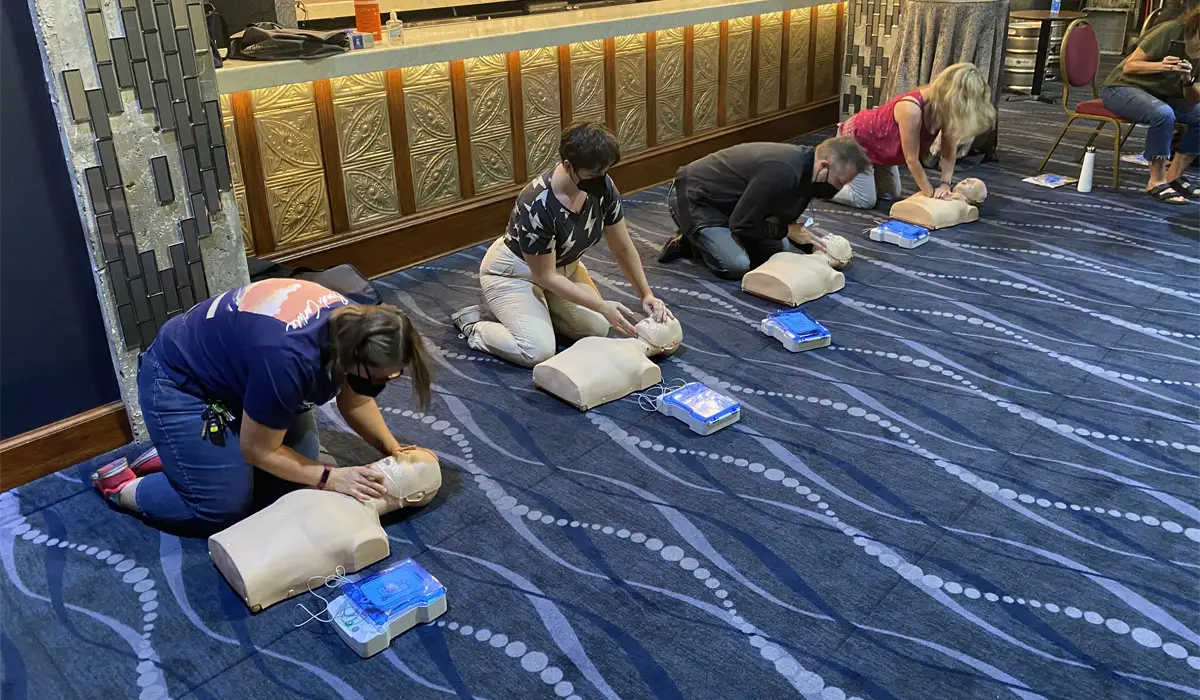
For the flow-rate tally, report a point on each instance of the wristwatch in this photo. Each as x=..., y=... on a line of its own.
x=324, y=478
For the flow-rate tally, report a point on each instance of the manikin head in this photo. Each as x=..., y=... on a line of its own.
x=836, y=162
x=412, y=478
x=838, y=251
x=587, y=151
x=371, y=345
x=972, y=190
x=659, y=338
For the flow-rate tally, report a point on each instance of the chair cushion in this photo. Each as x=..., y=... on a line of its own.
x=1095, y=108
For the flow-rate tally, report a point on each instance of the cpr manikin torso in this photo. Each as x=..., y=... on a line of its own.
x=595, y=371
x=271, y=555
x=792, y=279
x=943, y=213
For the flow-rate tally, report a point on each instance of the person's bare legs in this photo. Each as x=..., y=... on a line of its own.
x=1179, y=164
x=1158, y=173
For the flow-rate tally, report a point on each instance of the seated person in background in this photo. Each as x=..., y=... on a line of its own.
x=734, y=208
x=957, y=105
x=532, y=277
x=264, y=355
x=1154, y=87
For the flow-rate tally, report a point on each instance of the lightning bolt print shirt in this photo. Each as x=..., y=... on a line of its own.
x=541, y=224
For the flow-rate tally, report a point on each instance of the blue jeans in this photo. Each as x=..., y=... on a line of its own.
x=1141, y=107
x=730, y=257
x=203, y=487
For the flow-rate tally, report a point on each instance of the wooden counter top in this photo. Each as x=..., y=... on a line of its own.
x=424, y=45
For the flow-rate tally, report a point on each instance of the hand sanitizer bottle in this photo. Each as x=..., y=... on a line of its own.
x=394, y=29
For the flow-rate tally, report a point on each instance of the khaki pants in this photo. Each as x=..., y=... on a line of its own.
x=528, y=316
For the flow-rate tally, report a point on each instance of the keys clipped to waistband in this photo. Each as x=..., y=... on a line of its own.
x=217, y=422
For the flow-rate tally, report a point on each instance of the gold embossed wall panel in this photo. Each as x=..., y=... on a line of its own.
x=770, y=45
x=235, y=172
x=798, y=44
x=706, y=57
x=631, y=92
x=737, y=75
x=669, y=85
x=365, y=143
x=825, y=80
x=542, y=107
x=429, y=113
x=587, y=81
x=285, y=119
x=489, y=122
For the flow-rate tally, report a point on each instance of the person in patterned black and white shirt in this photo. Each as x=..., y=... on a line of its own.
x=533, y=279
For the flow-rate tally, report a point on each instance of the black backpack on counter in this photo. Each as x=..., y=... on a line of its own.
x=267, y=41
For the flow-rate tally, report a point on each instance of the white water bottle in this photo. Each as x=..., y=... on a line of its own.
x=1085, y=174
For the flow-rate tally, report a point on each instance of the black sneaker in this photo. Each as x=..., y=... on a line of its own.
x=674, y=249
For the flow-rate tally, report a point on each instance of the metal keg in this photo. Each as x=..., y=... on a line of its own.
x=1020, y=55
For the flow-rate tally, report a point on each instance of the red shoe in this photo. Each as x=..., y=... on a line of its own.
x=148, y=463
x=111, y=478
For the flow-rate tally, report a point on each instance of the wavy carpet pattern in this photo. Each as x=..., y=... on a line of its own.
x=986, y=488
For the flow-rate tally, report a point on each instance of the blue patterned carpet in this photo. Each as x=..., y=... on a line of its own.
x=986, y=488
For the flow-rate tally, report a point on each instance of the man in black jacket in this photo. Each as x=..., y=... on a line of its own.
x=733, y=208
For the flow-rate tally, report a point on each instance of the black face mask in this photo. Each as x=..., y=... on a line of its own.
x=595, y=186
x=363, y=386
x=824, y=190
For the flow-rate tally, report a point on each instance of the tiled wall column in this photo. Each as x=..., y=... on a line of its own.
x=133, y=88
x=868, y=49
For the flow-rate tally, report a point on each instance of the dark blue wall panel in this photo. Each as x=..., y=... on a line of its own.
x=54, y=359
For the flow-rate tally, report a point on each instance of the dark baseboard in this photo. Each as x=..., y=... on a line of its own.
x=53, y=447
x=428, y=235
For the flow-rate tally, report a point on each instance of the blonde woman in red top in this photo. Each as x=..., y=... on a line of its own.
x=957, y=105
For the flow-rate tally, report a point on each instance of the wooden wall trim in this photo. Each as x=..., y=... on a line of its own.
x=723, y=74
x=331, y=154
x=54, y=447
x=393, y=245
x=785, y=48
x=689, y=79
x=651, y=90
x=398, y=123
x=812, y=52
x=610, y=83
x=564, y=84
x=462, y=129
x=516, y=108
x=755, y=44
x=252, y=173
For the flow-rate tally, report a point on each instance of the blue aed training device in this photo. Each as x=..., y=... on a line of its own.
x=796, y=330
x=372, y=612
x=899, y=233
x=705, y=411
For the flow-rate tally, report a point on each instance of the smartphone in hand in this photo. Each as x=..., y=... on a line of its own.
x=1178, y=50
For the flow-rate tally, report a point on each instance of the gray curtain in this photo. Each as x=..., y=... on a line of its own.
x=933, y=34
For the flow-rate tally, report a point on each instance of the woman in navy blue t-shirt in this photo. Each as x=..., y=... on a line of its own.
x=229, y=386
